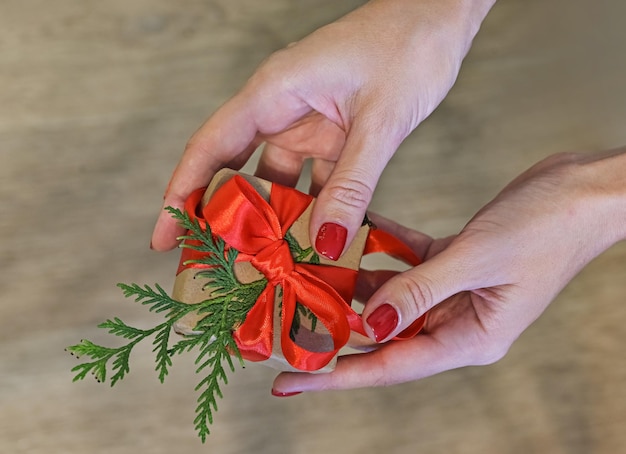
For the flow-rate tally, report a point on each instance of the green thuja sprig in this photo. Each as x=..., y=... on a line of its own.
x=226, y=308
x=299, y=254
x=296, y=324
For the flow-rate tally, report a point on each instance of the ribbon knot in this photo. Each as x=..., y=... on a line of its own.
x=274, y=261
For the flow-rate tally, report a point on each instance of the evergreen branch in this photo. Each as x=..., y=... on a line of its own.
x=217, y=352
x=159, y=301
x=101, y=356
x=226, y=308
x=301, y=311
x=299, y=254
x=199, y=233
x=308, y=313
x=119, y=357
x=98, y=367
x=161, y=347
x=294, y=246
x=229, y=302
x=219, y=258
x=121, y=364
x=191, y=341
x=121, y=329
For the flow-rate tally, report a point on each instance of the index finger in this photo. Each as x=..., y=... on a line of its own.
x=224, y=137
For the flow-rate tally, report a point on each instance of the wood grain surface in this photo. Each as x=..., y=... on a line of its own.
x=97, y=99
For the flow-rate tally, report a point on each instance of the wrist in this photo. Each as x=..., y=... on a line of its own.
x=465, y=15
x=473, y=13
x=605, y=176
x=453, y=22
x=462, y=17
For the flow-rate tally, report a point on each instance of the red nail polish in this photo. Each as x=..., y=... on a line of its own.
x=383, y=321
x=279, y=394
x=330, y=240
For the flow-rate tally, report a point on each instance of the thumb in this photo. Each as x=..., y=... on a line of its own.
x=343, y=200
x=409, y=295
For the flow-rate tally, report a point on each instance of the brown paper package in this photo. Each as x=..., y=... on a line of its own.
x=191, y=291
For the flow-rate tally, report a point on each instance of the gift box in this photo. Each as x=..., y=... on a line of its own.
x=303, y=317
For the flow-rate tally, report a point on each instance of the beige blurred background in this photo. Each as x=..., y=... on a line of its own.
x=97, y=99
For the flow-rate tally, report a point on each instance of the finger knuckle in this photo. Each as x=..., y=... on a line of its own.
x=558, y=162
x=489, y=351
x=384, y=374
x=198, y=150
x=564, y=158
x=351, y=192
x=418, y=293
x=194, y=144
x=277, y=69
x=190, y=145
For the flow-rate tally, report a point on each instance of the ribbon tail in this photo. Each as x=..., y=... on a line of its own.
x=412, y=330
x=341, y=280
x=255, y=336
x=380, y=241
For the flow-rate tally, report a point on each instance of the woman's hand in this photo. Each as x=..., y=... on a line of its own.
x=346, y=96
x=483, y=287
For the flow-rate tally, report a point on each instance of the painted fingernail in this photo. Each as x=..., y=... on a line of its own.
x=331, y=238
x=383, y=321
x=279, y=394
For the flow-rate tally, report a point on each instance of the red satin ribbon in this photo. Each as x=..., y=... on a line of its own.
x=256, y=228
x=384, y=242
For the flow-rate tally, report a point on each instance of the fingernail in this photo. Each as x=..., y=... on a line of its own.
x=330, y=240
x=279, y=394
x=151, y=246
x=383, y=321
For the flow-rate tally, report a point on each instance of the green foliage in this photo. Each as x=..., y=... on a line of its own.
x=229, y=302
x=296, y=324
x=226, y=308
x=300, y=255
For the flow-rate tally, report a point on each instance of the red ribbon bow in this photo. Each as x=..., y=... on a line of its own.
x=256, y=228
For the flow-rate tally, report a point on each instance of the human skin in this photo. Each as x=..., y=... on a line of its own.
x=483, y=287
x=345, y=96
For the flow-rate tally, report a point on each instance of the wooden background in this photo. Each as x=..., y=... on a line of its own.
x=97, y=99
